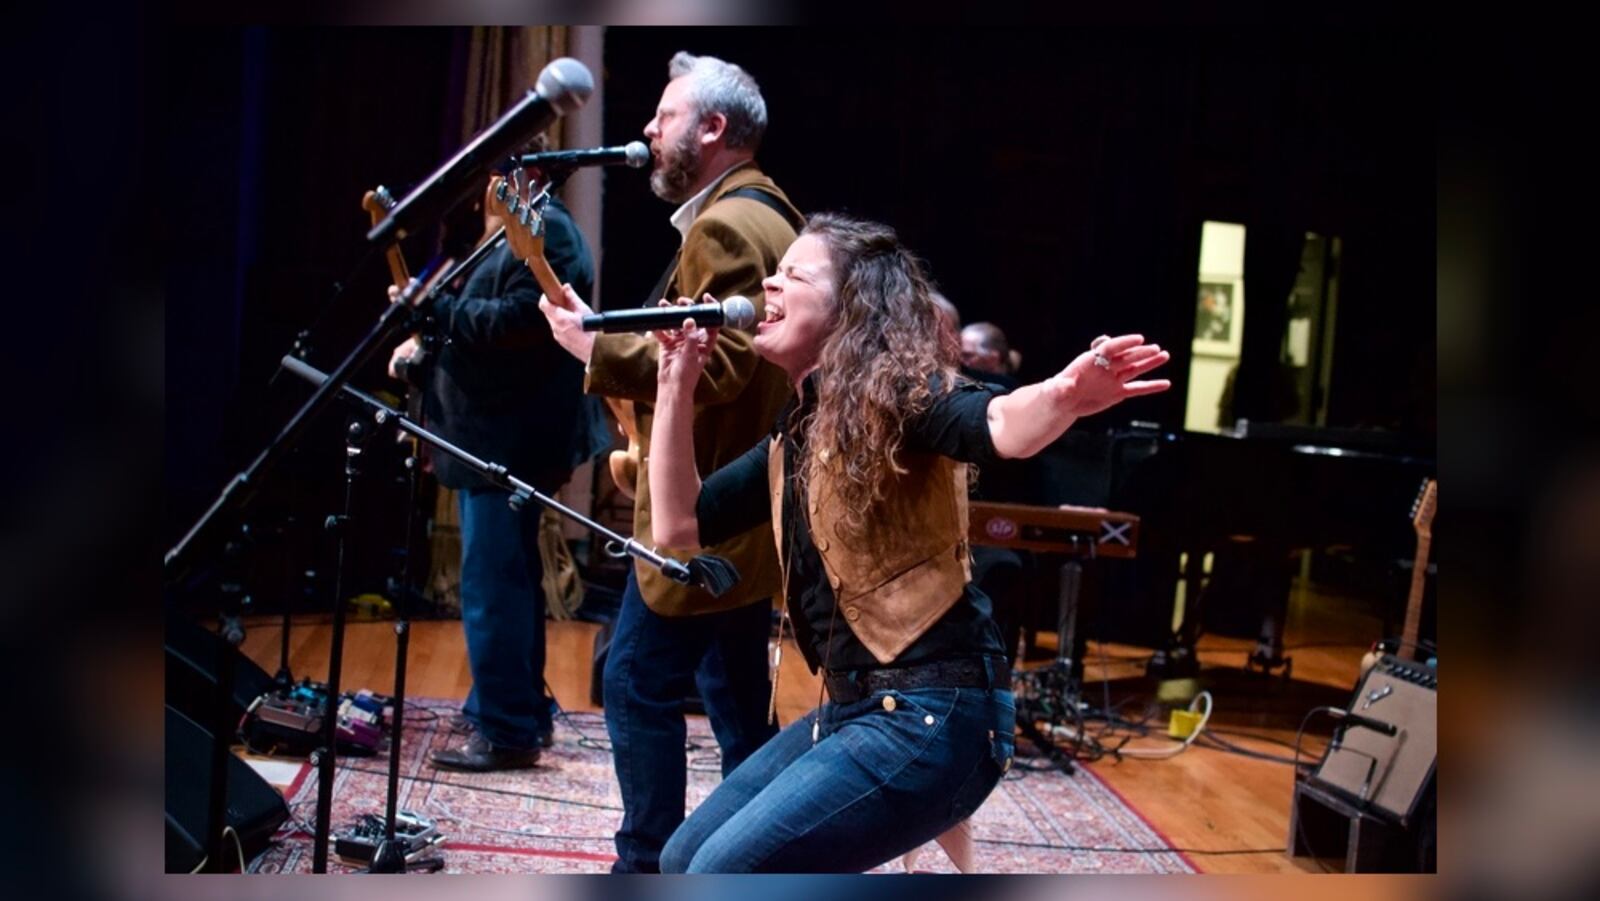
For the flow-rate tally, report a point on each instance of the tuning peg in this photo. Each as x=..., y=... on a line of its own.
x=500, y=190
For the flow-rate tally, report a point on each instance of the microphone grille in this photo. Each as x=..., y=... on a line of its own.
x=566, y=83
x=638, y=154
x=738, y=312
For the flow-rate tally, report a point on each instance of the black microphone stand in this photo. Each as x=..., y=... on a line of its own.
x=713, y=574
x=390, y=855
x=356, y=435
x=284, y=677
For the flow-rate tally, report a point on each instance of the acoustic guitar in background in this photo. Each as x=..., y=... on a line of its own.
x=521, y=209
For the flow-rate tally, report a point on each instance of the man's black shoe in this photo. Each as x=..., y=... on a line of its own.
x=462, y=724
x=478, y=756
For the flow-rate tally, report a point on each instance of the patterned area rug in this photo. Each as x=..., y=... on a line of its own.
x=559, y=816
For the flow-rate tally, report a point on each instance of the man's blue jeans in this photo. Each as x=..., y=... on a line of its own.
x=877, y=784
x=502, y=611
x=652, y=665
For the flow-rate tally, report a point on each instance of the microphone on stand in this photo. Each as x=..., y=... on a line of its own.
x=1349, y=720
x=735, y=312
x=563, y=86
x=634, y=155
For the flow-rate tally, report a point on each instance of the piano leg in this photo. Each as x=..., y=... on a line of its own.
x=1178, y=660
x=1271, y=591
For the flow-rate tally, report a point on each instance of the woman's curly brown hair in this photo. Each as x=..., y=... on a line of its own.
x=875, y=369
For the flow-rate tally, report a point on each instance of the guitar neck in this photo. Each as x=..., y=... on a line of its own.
x=546, y=277
x=1419, y=577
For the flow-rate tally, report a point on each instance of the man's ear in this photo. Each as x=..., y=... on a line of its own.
x=712, y=127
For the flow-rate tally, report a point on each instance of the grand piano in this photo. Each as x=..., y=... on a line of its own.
x=1250, y=499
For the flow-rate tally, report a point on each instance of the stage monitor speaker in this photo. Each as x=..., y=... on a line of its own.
x=255, y=809
x=193, y=654
x=1386, y=774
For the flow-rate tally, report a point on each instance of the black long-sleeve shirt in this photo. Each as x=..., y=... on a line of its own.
x=502, y=388
x=734, y=499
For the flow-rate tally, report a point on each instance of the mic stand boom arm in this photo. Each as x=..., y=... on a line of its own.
x=711, y=573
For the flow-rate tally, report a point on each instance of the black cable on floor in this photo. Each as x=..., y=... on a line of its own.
x=1100, y=850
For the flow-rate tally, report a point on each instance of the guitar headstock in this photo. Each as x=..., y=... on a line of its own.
x=520, y=207
x=1422, y=509
x=378, y=203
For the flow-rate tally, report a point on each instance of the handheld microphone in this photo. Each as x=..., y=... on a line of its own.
x=735, y=312
x=563, y=86
x=634, y=155
x=1365, y=722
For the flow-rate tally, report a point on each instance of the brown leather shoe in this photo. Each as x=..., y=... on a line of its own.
x=461, y=724
x=478, y=756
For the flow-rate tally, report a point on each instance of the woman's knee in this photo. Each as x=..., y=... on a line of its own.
x=677, y=853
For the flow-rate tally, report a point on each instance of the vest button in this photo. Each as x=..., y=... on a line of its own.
x=852, y=613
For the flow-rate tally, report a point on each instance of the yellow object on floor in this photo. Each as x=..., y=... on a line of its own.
x=370, y=606
x=1182, y=723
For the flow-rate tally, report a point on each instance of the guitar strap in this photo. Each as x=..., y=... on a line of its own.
x=749, y=192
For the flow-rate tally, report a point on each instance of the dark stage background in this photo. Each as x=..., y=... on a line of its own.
x=1056, y=182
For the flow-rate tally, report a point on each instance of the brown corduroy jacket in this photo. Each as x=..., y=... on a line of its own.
x=731, y=246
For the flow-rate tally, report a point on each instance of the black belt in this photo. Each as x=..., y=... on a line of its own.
x=850, y=687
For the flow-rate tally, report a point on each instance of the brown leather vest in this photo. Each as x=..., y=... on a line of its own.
x=894, y=584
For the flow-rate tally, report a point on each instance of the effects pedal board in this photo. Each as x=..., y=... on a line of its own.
x=289, y=721
x=358, y=844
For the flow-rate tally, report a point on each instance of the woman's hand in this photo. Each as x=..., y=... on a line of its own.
x=1104, y=375
x=684, y=352
x=1025, y=421
x=674, y=481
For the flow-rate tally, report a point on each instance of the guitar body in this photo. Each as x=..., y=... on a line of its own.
x=524, y=226
x=624, y=465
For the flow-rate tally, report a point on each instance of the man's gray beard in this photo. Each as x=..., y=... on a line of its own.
x=681, y=168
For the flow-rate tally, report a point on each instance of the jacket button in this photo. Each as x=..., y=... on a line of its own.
x=852, y=613
x=928, y=719
x=888, y=703
x=822, y=545
x=834, y=581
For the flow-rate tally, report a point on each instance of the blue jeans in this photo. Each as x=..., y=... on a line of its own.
x=877, y=784
x=652, y=665
x=502, y=611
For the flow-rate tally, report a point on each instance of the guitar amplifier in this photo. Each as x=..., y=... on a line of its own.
x=1385, y=774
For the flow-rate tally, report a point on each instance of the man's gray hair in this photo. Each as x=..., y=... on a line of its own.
x=716, y=86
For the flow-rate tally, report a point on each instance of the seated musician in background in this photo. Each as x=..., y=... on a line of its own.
x=997, y=571
x=502, y=389
x=864, y=480
x=984, y=348
x=986, y=357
